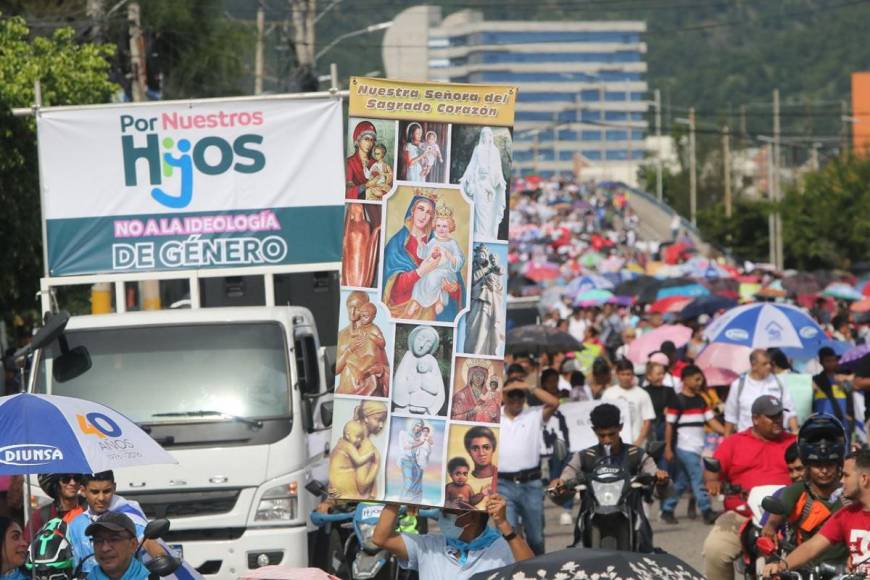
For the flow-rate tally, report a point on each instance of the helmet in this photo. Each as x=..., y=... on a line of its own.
x=48, y=483
x=822, y=438
x=50, y=555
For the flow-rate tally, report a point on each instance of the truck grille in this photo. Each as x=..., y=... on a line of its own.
x=187, y=504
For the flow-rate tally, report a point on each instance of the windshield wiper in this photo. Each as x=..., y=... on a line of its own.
x=249, y=422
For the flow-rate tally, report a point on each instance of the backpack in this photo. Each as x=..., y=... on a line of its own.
x=742, y=384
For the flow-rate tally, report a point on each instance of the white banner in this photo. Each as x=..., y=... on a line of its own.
x=580, y=429
x=230, y=183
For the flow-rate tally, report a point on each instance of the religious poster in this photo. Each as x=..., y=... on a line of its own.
x=420, y=357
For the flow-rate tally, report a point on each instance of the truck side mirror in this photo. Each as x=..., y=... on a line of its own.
x=326, y=413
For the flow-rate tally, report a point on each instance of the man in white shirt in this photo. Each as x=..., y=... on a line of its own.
x=639, y=402
x=577, y=324
x=759, y=381
x=519, y=460
x=465, y=546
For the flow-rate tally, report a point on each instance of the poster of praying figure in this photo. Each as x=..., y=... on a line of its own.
x=421, y=324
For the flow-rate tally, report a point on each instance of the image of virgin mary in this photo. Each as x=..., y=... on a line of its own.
x=403, y=267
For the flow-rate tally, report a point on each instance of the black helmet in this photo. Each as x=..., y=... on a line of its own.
x=50, y=555
x=822, y=439
x=48, y=483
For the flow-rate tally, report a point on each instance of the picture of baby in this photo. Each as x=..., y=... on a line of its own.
x=489, y=407
x=458, y=494
x=346, y=458
x=432, y=289
x=379, y=177
x=415, y=467
x=424, y=446
x=431, y=154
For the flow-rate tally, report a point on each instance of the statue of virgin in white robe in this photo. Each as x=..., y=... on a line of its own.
x=483, y=181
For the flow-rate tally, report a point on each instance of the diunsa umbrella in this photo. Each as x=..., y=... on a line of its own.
x=586, y=564
x=54, y=434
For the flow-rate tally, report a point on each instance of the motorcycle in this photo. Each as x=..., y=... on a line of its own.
x=611, y=510
x=354, y=555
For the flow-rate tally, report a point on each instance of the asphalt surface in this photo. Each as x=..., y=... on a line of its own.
x=684, y=540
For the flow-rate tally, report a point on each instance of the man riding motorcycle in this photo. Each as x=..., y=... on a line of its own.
x=607, y=424
x=809, y=503
x=755, y=456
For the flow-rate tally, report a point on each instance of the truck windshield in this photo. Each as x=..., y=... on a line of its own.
x=159, y=374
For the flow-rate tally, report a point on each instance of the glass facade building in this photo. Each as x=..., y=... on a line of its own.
x=582, y=87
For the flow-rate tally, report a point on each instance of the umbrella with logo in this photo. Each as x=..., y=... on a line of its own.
x=767, y=324
x=54, y=434
x=585, y=564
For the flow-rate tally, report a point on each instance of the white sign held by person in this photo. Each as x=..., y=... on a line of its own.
x=580, y=428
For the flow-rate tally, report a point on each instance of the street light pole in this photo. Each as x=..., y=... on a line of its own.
x=360, y=32
x=658, y=106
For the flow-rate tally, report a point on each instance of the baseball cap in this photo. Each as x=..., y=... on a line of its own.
x=114, y=521
x=767, y=405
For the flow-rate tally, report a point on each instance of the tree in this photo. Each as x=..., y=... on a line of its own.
x=825, y=222
x=70, y=74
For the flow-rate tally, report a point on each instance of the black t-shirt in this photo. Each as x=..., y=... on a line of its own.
x=662, y=397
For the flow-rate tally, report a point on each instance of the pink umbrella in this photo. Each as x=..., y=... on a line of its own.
x=717, y=377
x=719, y=355
x=648, y=343
x=287, y=573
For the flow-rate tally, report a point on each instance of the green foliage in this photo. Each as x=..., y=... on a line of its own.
x=744, y=234
x=70, y=74
x=201, y=52
x=825, y=222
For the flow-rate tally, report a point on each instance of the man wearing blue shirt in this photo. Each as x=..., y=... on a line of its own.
x=115, y=544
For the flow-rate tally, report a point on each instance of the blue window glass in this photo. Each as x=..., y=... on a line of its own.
x=547, y=173
x=566, y=77
x=637, y=116
x=522, y=155
x=638, y=135
x=638, y=155
x=592, y=155
x=522, y=136
x=618, y=155
x=590, y=116
x=534, y=116
x=590, y=135
x=518, y=37
x=556, y=57
x=615, y=96
x=546, y=155
x=524, y=97
x=567, y=135
x=637, y=96
x=566, y=155
x=615, y=116
x=590, y=95
x=617, y=135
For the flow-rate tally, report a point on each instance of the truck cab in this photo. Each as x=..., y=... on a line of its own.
x=237, y=396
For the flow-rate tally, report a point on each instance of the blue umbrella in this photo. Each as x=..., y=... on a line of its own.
x=588, y=282
x=708, y=305
x=767, y=324
x=688, y=290
x=54, y=434
x=811, y=350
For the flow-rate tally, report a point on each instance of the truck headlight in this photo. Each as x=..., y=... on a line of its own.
x=279, y=503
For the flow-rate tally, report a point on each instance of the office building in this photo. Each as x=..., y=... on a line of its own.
x=582, y=104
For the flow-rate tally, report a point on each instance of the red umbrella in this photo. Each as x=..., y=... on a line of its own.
x=669, y=304
x=541, y=272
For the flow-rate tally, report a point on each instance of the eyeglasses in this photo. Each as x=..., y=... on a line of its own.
x=112, y=540
x=66, y=478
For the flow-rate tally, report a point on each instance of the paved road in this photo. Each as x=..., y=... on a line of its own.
x=684, y=540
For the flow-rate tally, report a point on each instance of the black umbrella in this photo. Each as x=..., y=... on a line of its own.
x=634, y=286
x=581, y=563
x=650, y=293
x=537, y=339
x=802, y=283
x=708, y=305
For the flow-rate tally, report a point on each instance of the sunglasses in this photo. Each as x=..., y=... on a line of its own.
x=66, y=478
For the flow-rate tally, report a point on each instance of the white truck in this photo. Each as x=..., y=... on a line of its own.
x=236, y=395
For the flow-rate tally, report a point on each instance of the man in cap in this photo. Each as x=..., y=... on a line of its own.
x=114, y=537
x=754, y=456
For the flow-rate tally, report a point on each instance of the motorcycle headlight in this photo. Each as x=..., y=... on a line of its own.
x=278, y=504
x=608, y=494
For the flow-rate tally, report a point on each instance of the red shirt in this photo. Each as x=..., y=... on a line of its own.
x=851, y=526
x=749, y=460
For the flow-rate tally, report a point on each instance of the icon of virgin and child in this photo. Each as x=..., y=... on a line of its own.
x=355, y=461
x=424, y=261
x=368, y=175
x=362, y=365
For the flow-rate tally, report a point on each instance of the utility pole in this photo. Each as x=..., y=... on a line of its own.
x=726, y=162
x=743, y=133
x=137, y=53
x=94, y=10
x=258, y=55
x=304, y=13
x=771, y=224
x=535, y=144
x=814, y=159
x=777, y=161
x=693, y=177
x=658, y=106
x=844, y=128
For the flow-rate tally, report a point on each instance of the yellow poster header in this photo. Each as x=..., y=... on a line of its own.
x=440, y=102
